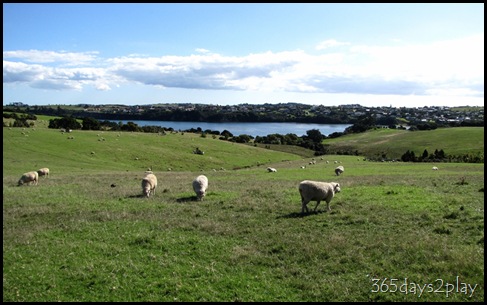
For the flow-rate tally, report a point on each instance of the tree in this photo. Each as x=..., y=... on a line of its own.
x=408, y=156
x=440, y=154
x=130, y=126
x=315, y=135
x=226, y=134
x=90, y=124
x=65, y=122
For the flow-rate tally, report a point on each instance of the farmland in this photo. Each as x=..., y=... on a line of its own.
x=86, y=233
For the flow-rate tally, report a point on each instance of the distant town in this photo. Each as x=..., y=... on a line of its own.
x=283, y=112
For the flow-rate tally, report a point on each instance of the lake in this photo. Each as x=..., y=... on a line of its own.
x=251, y=129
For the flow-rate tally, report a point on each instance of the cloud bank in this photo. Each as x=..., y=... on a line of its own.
x=454, y=68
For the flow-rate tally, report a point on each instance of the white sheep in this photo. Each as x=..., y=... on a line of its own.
x=339, y=170
x=29, y=177
x=317, y=191
x=271, y=170
x=43, y=172
x=149, y=184
x=435, y=168
x=200, y=185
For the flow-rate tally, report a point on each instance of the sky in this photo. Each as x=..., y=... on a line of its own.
x=396, y=54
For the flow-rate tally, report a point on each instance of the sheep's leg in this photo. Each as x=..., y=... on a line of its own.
x=304, y=206
x=317, y=204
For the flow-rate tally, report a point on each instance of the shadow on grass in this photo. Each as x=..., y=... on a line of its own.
x=141, y=195
x=137, y=196
x=187, y=199
x=299, y=215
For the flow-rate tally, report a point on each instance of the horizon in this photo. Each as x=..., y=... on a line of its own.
x=241, y=104
x=330, y=54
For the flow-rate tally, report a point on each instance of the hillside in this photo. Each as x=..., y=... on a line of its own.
x=380, y=143
x=393, y=143
x=92, y=150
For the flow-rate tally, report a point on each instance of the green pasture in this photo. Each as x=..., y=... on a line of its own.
x=98, y=150
x=395, y=142
x=396, y=232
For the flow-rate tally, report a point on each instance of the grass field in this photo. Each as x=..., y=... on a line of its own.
x=396, y=232
x=395, y=142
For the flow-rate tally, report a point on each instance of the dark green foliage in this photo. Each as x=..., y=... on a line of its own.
x=364, y=123
x=408, y=156
x=130, y=126
x=67, y=122
x=90, y=124
x=21, y=122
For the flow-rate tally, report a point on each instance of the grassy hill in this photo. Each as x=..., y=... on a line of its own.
x=95, y=150
x=86, y=233
x=394, y=143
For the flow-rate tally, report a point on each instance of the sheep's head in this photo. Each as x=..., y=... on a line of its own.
x=200, y=195
x=336, y=187
x=146, y=190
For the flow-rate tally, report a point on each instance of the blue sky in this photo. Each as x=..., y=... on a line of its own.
x=411, y=55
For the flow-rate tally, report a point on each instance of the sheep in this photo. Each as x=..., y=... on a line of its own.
x=271, y=170
x=43, y=172
x=29, y=177
x=339, y=170
x=435, y=168
x=149, y=184
x=317, y=191
x=200, y=185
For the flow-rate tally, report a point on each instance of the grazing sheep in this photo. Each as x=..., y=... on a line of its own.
x=339, y=170
x=29, y=177
x=271, y=170
x=317, y=191
x=200, y=185
x=43, y=172
x=149, y=184
x=435, y=168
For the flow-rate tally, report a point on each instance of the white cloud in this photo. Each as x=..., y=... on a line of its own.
x=102, y=87
x=200, y=50
x=445, y=67
x=330, y=43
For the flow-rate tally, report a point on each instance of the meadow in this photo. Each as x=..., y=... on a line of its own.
x=393, y=143
x=396, y=232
